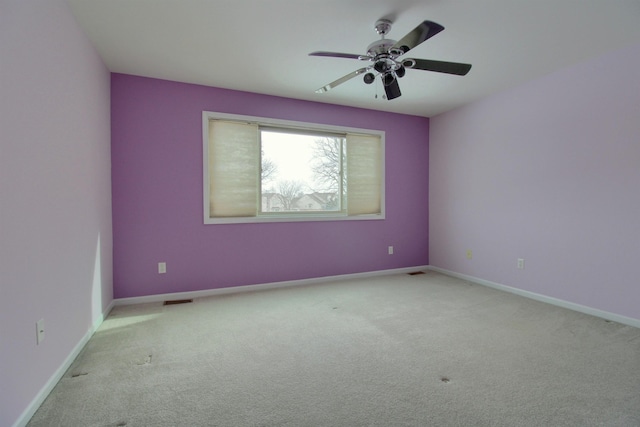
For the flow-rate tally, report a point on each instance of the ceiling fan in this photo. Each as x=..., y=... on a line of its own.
x=384, y=57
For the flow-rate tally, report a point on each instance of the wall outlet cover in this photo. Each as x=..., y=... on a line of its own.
x=39, y=331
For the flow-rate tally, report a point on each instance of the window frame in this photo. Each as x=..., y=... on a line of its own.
x=293, y=126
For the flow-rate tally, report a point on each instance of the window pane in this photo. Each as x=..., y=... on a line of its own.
x=300, y=172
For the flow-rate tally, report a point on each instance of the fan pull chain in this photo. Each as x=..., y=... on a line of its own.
x=383, y=96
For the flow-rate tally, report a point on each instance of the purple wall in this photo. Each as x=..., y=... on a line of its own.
x=157, y=196
x=548, y=172
x=55, y=196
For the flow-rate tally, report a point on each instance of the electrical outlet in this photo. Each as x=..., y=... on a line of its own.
x=162, y=267
x=521, y=263
x=469, y=254
x=39, y=331
x=390, y=250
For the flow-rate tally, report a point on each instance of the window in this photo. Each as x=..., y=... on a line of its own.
x=301, y=171
x=264, y=170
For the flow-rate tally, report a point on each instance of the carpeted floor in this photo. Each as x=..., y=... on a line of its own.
x=423, y=350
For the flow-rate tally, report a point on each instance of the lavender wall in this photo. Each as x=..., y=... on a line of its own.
x=548, y=172
x=55, y=225
x=157, y=196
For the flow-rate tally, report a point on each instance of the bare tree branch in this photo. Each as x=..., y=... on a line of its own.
x=268, y=169
x=288, y=191
x=326, y=163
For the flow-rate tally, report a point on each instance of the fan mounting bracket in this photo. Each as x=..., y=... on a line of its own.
x=383, y=26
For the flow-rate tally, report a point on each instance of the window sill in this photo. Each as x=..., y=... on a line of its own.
x=293, y=218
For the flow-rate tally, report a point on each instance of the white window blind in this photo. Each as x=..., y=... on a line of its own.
x=234, y=169
x=364, y=174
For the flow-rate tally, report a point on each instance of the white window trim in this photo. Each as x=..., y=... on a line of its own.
x=271, y=217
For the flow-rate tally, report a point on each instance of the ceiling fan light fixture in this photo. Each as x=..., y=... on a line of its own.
x=392, y=90
x=369, y=78
x=388, y=78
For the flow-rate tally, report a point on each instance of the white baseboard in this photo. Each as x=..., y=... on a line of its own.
x=26, y=415
x=543, y=298
x=261, y=287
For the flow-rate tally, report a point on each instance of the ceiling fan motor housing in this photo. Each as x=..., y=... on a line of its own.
x=379, y=47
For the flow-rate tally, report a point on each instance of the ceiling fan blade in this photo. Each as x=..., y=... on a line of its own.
x=392, y=90
x=419, y=34
x=340, y=55
x=437, y=66
x=341, y=80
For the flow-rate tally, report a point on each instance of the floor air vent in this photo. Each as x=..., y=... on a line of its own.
x=415, y=273
x=178, y=301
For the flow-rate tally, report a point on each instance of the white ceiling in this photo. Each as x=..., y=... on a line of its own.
x=262, y=46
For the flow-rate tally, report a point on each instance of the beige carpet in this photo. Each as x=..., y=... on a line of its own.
x=424, y=350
